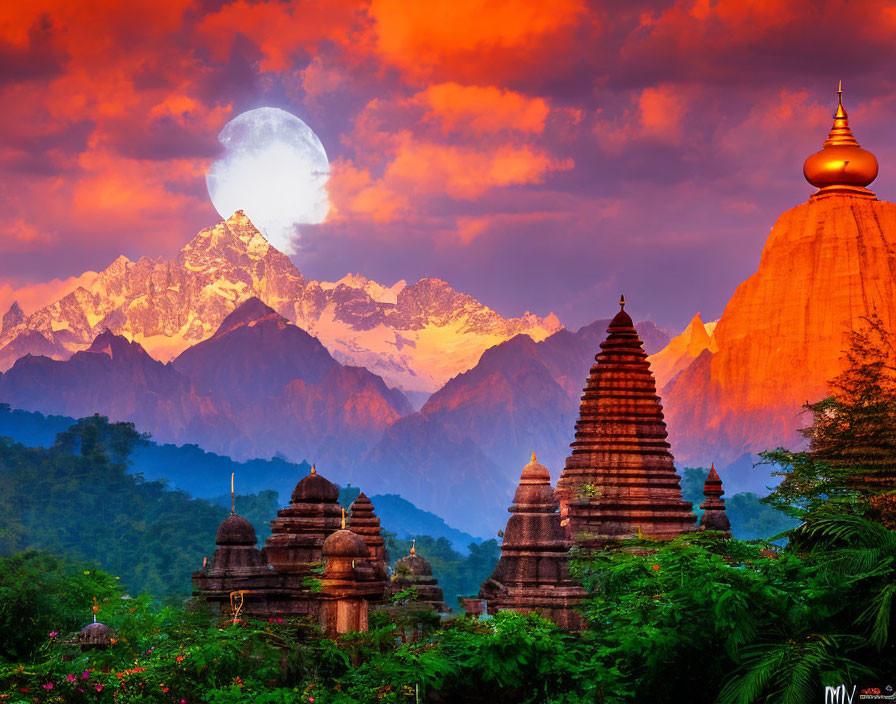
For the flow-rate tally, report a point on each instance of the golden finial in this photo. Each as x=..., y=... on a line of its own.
x=841, y=111
x=232, y=497
x=622, y=302
x=313, y=469
x=343, y=519
x=413, y=547
x=640, y=534
x=534, y=458
x=841, y=165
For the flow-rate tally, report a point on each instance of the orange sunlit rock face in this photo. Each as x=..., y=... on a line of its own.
x=826, y=264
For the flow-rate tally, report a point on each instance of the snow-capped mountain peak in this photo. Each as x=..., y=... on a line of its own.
x=415, y=336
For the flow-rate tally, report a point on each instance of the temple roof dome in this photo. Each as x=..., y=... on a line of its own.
x=841, y=164
x=412, y=565
x=235, y=530
x=344, y=543
x=315, y=489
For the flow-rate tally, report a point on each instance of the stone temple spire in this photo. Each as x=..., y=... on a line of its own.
x=364, y=521
x=714, y=516
x=841, y=166
x=532, y=574
x=620, y=481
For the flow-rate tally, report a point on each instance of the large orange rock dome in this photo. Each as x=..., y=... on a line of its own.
x=827, y=263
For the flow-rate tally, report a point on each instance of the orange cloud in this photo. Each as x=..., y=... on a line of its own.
x=660, y=112
x=130, y=193
x=32, y=297
x=23, y=236
x=469, y=40
x=482, y=109
x=280, y=29
x=656, y=114
x=354, y=193
x=423, y=169
x=466, y=172
x=318, y=79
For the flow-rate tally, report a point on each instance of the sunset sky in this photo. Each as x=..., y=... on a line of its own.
x=543, y=157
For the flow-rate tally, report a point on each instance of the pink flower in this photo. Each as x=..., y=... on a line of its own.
x=48, y=685
x=99, y=688
x=310, y=699
x=53, y=634
x=85, y=675
x=70, y=678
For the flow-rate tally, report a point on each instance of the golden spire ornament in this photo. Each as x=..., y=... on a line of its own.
x=534, y=458
x=413, y=547
x=841, y=166
x=232, y=497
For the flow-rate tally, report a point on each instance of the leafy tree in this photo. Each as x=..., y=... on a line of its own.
x=753, y=520
x=77, y=499
x=851, y=463
x=692, y=480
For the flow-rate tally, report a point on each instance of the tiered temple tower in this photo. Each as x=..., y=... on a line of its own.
x=364, y=521
x=532, y=573
x=714, y=516
x=620, y=481
x=299, y=531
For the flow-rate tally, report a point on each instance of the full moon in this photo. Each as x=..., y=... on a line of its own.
x=275, y=169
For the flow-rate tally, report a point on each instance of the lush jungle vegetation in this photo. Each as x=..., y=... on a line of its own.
x=701, y=618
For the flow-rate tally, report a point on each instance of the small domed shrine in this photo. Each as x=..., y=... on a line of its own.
x=95, y=636
x=714, y=516
x=349, y=583
x=364, y=521
x=532, y=573
x=413, y=571
x=620, y=480
x=842, y=166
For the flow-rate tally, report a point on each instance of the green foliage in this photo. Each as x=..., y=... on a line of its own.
x=77, y=499
x=699, y=617
x=165, y=654
x=41, y=594
x=851, y=463
x=748, y=622
x=198, y=472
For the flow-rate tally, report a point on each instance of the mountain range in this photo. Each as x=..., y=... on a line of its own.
x=415, y=337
